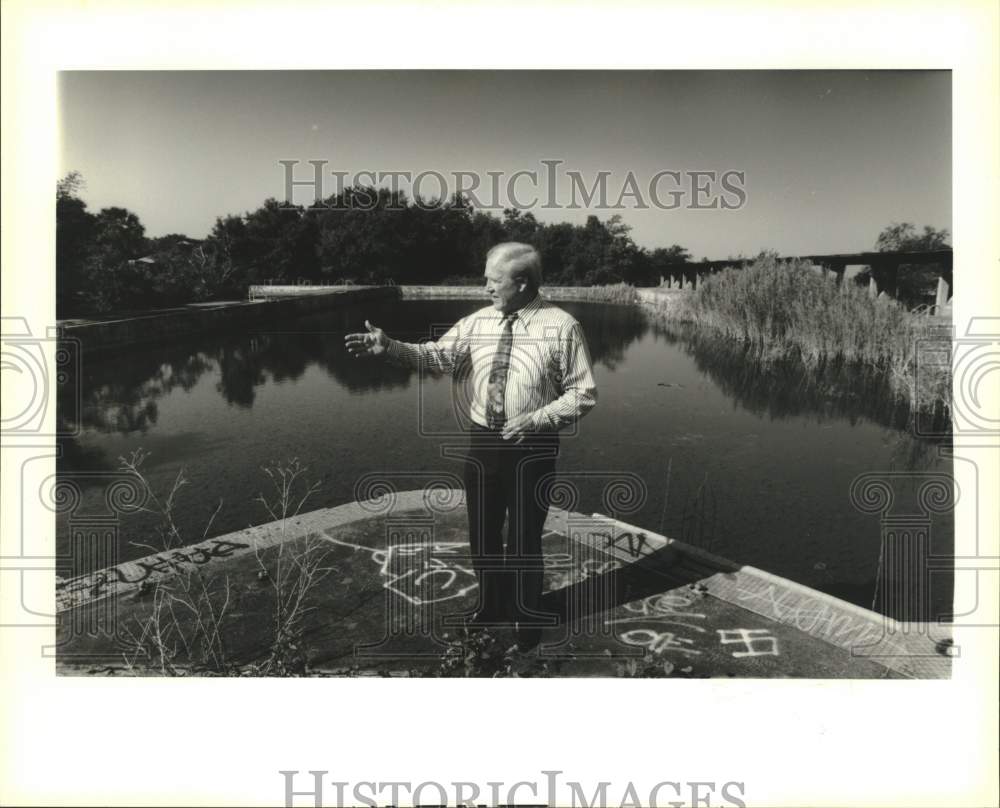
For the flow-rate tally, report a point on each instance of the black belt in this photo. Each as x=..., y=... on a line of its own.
x=531, y=439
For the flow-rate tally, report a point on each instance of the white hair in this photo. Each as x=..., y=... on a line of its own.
x=520, y=260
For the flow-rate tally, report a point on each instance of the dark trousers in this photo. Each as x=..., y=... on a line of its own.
x=506, y=480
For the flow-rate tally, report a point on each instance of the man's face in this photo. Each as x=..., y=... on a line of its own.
x=503, y=290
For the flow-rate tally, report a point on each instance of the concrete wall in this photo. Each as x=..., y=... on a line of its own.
x=659, y=295
x=269, y=303
x=429, y=292
x=663, y=301
x=261, y=291
x=437, y=292
x=470, y=292
x=189, y=320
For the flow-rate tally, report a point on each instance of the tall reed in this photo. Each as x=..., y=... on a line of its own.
x=609, y=293
x=789, y=310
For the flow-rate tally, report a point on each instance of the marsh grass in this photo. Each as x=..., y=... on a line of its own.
x=610, y=293
x=788, y=311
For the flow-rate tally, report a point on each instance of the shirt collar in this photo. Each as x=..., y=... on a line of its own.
x=526, y=312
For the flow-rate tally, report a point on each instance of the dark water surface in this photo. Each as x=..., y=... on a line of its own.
x=754, y=464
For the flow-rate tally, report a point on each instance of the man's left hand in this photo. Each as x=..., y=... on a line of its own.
x=517, y=427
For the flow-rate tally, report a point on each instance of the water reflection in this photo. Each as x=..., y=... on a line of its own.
x=780, y=389
x=121, y=395
x=610, y=330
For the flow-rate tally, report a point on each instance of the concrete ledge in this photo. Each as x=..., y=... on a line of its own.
x=264, y=291
x=568, y=293
x=156, y=326
x=718, y=596
x=909, y=649
x=269, y=303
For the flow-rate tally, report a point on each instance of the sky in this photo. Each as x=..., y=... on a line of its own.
x=829, y=157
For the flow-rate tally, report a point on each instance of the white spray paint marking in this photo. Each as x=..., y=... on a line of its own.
x=661, y=608
x=433, y=568
x=406, y=568
x=660, y=642
x=756, y=641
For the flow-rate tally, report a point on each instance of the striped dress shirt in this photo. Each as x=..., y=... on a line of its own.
x=550, y=376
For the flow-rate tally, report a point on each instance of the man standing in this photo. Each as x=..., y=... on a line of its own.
x=530, y=375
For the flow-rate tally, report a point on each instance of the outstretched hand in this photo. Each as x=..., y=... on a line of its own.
x=372, y=343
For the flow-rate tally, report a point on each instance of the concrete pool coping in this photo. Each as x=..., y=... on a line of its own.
x=912, y=650
x=115, y=332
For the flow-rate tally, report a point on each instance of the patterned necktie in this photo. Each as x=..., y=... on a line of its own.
x=495, y=415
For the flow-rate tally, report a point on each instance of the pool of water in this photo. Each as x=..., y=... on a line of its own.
x=688, y=438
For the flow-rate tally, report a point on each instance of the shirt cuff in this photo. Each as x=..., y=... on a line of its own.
x=394, y=351
x=541, y=421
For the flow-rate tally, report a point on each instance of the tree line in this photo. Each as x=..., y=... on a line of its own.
x=105, y=262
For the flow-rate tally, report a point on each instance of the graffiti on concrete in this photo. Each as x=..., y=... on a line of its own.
x=660, y=642
x=755, y=641
x=562, y=570
x=661, y=612
x=103, y=582
x=667, y=609
x=662, y=608
x=814, y=616
x=421, y=572
x=198, y=556
x=634, y=545
x=425, y=572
